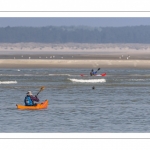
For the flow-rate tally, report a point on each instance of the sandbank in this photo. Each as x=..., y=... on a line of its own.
x=59, y=63
x=74, y=55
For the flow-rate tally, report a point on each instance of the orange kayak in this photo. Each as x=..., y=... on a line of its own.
x=42, y=105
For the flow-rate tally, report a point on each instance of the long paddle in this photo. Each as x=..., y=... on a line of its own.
x=41, y=89
x=98, y=69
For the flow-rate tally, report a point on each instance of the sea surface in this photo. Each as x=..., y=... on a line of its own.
x=116, y=103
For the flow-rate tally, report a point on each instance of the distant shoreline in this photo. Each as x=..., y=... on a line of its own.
x=74, y=55
x=20, y=63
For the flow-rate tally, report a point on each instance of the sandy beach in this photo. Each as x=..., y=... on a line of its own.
x=74, y=63
x=32, y=55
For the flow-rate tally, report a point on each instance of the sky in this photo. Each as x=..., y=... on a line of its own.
x=73, y=21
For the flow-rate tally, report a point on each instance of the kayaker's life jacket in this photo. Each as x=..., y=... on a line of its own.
x=93, y=73
x=28, y=101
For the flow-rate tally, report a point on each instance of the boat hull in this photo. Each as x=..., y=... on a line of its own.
x=42, y=105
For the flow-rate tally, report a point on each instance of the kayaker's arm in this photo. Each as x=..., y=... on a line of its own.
x=34, y=98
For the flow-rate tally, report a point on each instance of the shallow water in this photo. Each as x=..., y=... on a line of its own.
x=119, y=103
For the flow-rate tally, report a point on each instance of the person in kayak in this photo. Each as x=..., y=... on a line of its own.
x=29, y=99
x=94, y=72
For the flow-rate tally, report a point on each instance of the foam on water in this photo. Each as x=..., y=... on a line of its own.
x=88, y=80
x=8, y=82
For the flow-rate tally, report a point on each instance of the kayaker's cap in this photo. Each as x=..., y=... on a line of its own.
x=29, y=93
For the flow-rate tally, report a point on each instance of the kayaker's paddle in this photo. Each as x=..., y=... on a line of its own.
x=98, y=69
x=41, y=89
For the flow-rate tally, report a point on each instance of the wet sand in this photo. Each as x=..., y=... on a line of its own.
x=20, y=63
x=33, y=55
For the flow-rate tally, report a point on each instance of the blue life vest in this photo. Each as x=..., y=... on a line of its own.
x=94, y=72
x=28, y=101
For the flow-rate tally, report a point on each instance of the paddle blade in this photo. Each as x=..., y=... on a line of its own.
x=103, y=74
x=98, y=68
x=81, y=75
x=42, y=88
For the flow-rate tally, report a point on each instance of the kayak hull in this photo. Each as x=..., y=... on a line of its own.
x=42, y=105
x=102, y=75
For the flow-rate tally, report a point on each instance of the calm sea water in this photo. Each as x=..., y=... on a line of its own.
x=120, y=102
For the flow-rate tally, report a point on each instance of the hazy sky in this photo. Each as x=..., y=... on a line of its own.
x=94, y=22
